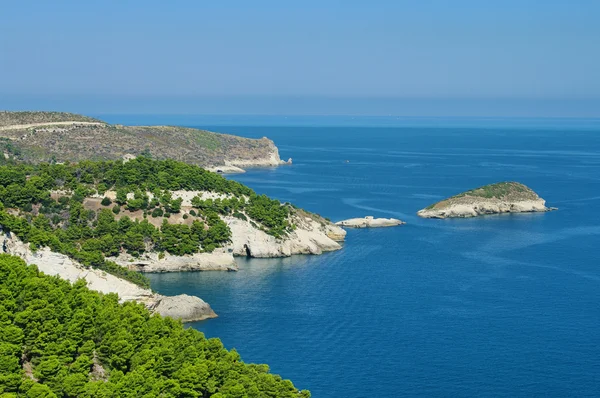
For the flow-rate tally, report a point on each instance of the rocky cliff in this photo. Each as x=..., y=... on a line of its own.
x=312, y=235
x=503, y=197
x=184, y=307
x=56, y=136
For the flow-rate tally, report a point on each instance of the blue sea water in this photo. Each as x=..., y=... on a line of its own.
x=502, y=305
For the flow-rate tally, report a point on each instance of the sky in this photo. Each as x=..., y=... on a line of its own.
x=408, y=58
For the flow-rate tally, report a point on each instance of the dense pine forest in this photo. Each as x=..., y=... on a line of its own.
x=63, y=340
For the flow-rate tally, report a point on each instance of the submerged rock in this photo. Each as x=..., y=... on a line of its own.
x=502, y=197
x=370, y=222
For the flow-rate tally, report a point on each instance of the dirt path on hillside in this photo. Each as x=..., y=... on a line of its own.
x=68, y=123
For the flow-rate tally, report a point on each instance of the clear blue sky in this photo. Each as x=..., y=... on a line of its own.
x=270, y=56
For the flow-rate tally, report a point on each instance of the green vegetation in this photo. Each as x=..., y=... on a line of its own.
x=271, y=214
x=498, y=190
x=63, y=340
x=30, y=117
x=66, y=226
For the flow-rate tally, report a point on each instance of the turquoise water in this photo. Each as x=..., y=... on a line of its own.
x=500, y=305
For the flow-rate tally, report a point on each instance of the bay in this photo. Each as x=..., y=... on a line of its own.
x=499, y=305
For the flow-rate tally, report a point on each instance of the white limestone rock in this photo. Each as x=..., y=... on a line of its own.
x=504, y=197
x=218, y=260
x=370, y=222
x=52, y=263
x=309, y=237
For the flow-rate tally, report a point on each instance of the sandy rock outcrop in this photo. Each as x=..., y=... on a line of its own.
x=504, y=197
x=370, y=222
x=218, y=260
x=52, y=263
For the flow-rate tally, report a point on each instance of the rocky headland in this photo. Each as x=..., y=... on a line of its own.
x=502, y=197
x=369, y=222
x=312, y=234
x=183, y=307
x=60, y=137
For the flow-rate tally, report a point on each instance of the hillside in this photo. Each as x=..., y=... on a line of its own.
x=502, y=197
x=34, y=117
x=63, y=340
x=61, y=137
x=92, y=211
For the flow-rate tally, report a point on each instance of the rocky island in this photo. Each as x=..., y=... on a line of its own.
x=502, y=197
x=369, y=222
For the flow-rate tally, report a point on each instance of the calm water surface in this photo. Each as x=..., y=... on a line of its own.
x=500, y=305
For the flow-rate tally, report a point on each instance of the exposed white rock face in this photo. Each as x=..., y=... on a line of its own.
x=190, y=308
x=485, y=206
x=313, y=235
x=226, y=169
x=52, y=263
x=500, y=197
x=370, y=222
x=272, y=159
x=185, y=196
x=218, y=260
x=310, y=237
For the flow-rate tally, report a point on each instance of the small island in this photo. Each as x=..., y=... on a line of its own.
x=369, y=222
x=502, y=197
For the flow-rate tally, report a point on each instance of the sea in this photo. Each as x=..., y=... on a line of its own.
x=501, y=305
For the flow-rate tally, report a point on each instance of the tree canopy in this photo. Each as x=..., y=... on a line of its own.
x=63, y=340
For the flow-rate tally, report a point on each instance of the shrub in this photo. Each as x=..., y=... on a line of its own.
x=241, y=216
x=106, y=201
x=116, y=209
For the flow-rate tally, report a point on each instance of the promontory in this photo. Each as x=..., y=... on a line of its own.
x=60, y=137
x=502, y=197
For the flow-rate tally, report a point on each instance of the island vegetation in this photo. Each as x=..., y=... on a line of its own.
x=63, y=340
x=501, y=197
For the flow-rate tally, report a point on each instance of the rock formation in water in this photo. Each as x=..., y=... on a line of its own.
x=502, y=197
x=369, y=222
